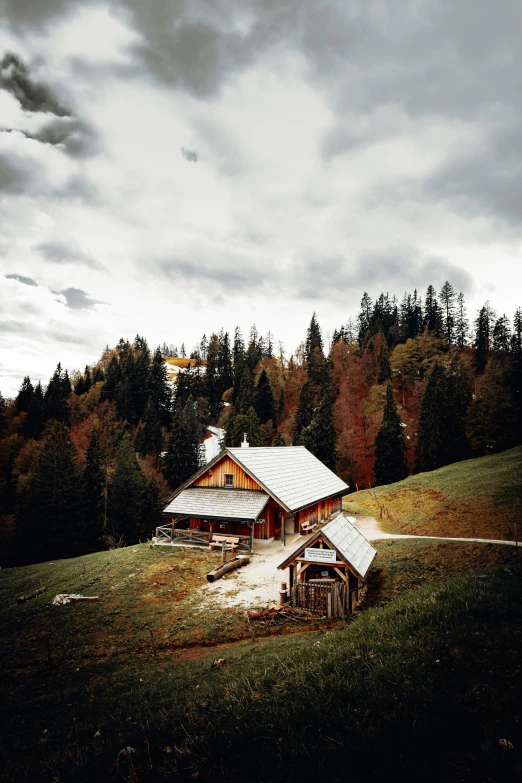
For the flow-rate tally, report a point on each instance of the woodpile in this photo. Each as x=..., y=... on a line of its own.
x=277, y=612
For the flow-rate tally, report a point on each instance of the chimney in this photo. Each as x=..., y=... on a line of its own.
x=245, y=444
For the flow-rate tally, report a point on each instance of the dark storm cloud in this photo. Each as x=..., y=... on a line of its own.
x=32, y=96
x=394, y=270
x=77, y=299
x=189, y=155
x=21, y=279
x=20, y=14
x=61, y=253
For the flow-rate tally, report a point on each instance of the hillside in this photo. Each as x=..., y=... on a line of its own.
x=477, y=498
x=444, y=653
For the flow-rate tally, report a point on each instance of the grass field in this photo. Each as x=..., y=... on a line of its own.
x=479, y=498
x=250, y=719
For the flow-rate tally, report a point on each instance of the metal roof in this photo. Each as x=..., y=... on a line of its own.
x=215, y=503
x=291, y=474
x=352, y=546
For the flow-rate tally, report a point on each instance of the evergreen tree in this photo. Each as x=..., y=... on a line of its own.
x=483, y=336
x=461, y=323
x=203, y=346
x=24, y=396
x=49, y=521
x=112, y=379
x=183, y=453
x=224, y=363
x=56, y=396
x=502, y=335
x=158, y=387
x=390, y=446
x=149, y=438
x=364, y=318
x=264, y=399
x=383, y=363
x=139, y=379
x=432, y=312
x=126, y=492
x=447, y=299
x=3, y=406
x=314, y=355
x=304, y=413
x=213, y=384
x=320, y=436
x=34, y=423
x=245, y=395
x=456, y=399
x=431, y=423
x=279, y=440
x=492, y=416
x=243, y=423
x=93, y=499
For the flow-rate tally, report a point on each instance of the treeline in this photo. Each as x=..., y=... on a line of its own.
x=403, y=387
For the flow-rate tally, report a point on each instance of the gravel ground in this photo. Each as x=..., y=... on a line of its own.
x=257, y=583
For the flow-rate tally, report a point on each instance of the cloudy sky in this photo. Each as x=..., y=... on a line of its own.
x=172, y=167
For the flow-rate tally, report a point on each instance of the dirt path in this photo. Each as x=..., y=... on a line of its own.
x=257, y=583
x=371, y=529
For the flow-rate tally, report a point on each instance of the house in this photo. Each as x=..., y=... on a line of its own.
x=257, y=493
x=329, y=569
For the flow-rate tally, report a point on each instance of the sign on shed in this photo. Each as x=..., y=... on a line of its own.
x=320, y=555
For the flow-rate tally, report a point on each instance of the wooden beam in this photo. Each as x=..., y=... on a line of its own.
x=343, y=576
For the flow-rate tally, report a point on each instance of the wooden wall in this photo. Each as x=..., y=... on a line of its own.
x=217, y=477
x=318, y=512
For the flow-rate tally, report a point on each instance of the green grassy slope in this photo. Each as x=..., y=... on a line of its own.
x=478, y=498
x=442, y=659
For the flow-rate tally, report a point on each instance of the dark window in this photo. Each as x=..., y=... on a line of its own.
x=229, y=480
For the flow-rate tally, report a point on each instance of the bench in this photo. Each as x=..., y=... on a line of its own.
x=308, y=527
x=229, y=543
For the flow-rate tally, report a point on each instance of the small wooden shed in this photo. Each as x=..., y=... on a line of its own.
x=329, y=569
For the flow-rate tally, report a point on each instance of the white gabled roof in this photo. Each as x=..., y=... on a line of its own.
x=212, y=503
x=351, y=546
x=290, y=473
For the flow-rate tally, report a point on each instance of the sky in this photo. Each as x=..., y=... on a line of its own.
x=174, y=167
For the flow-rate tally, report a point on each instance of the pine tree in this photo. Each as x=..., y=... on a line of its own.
x=49, y=522
x=34, y=423
x=314, y=355
x=112, y=379
x=432, y=312
x=149, y=438
x=502, y=335
x=224, y=363
x=264, y=399
x=126, y=494
x=448, y=304
x=93, y=499
x=158, y=388
x=431, y=423
x=241, y=424
x=304, y=412
x=183, y=452
x=390, y=446
x=24, y=396
x=213, y=384
x=3, y=406
x=492, y=417
x=56, y=396
x=456, y=400
x=320, y=436
x=383, y=363
x=483, y=336
x=279, y=440
x=364, y=319
x=461, y=323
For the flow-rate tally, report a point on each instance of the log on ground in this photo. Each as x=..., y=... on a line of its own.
x=230, y=565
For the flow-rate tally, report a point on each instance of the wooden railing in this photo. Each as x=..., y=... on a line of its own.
x=168, y=534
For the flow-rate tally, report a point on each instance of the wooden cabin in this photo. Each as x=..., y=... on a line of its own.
x=257, y=493
x=328, y=570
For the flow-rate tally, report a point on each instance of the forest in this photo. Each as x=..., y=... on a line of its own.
x=404, y=387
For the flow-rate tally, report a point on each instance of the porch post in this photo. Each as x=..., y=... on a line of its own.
x=251, y=526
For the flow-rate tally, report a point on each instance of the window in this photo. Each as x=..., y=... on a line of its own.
x=229, y=480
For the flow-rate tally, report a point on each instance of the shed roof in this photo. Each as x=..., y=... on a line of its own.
x=215, y=503
x=352, y=547
x=291, y=474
